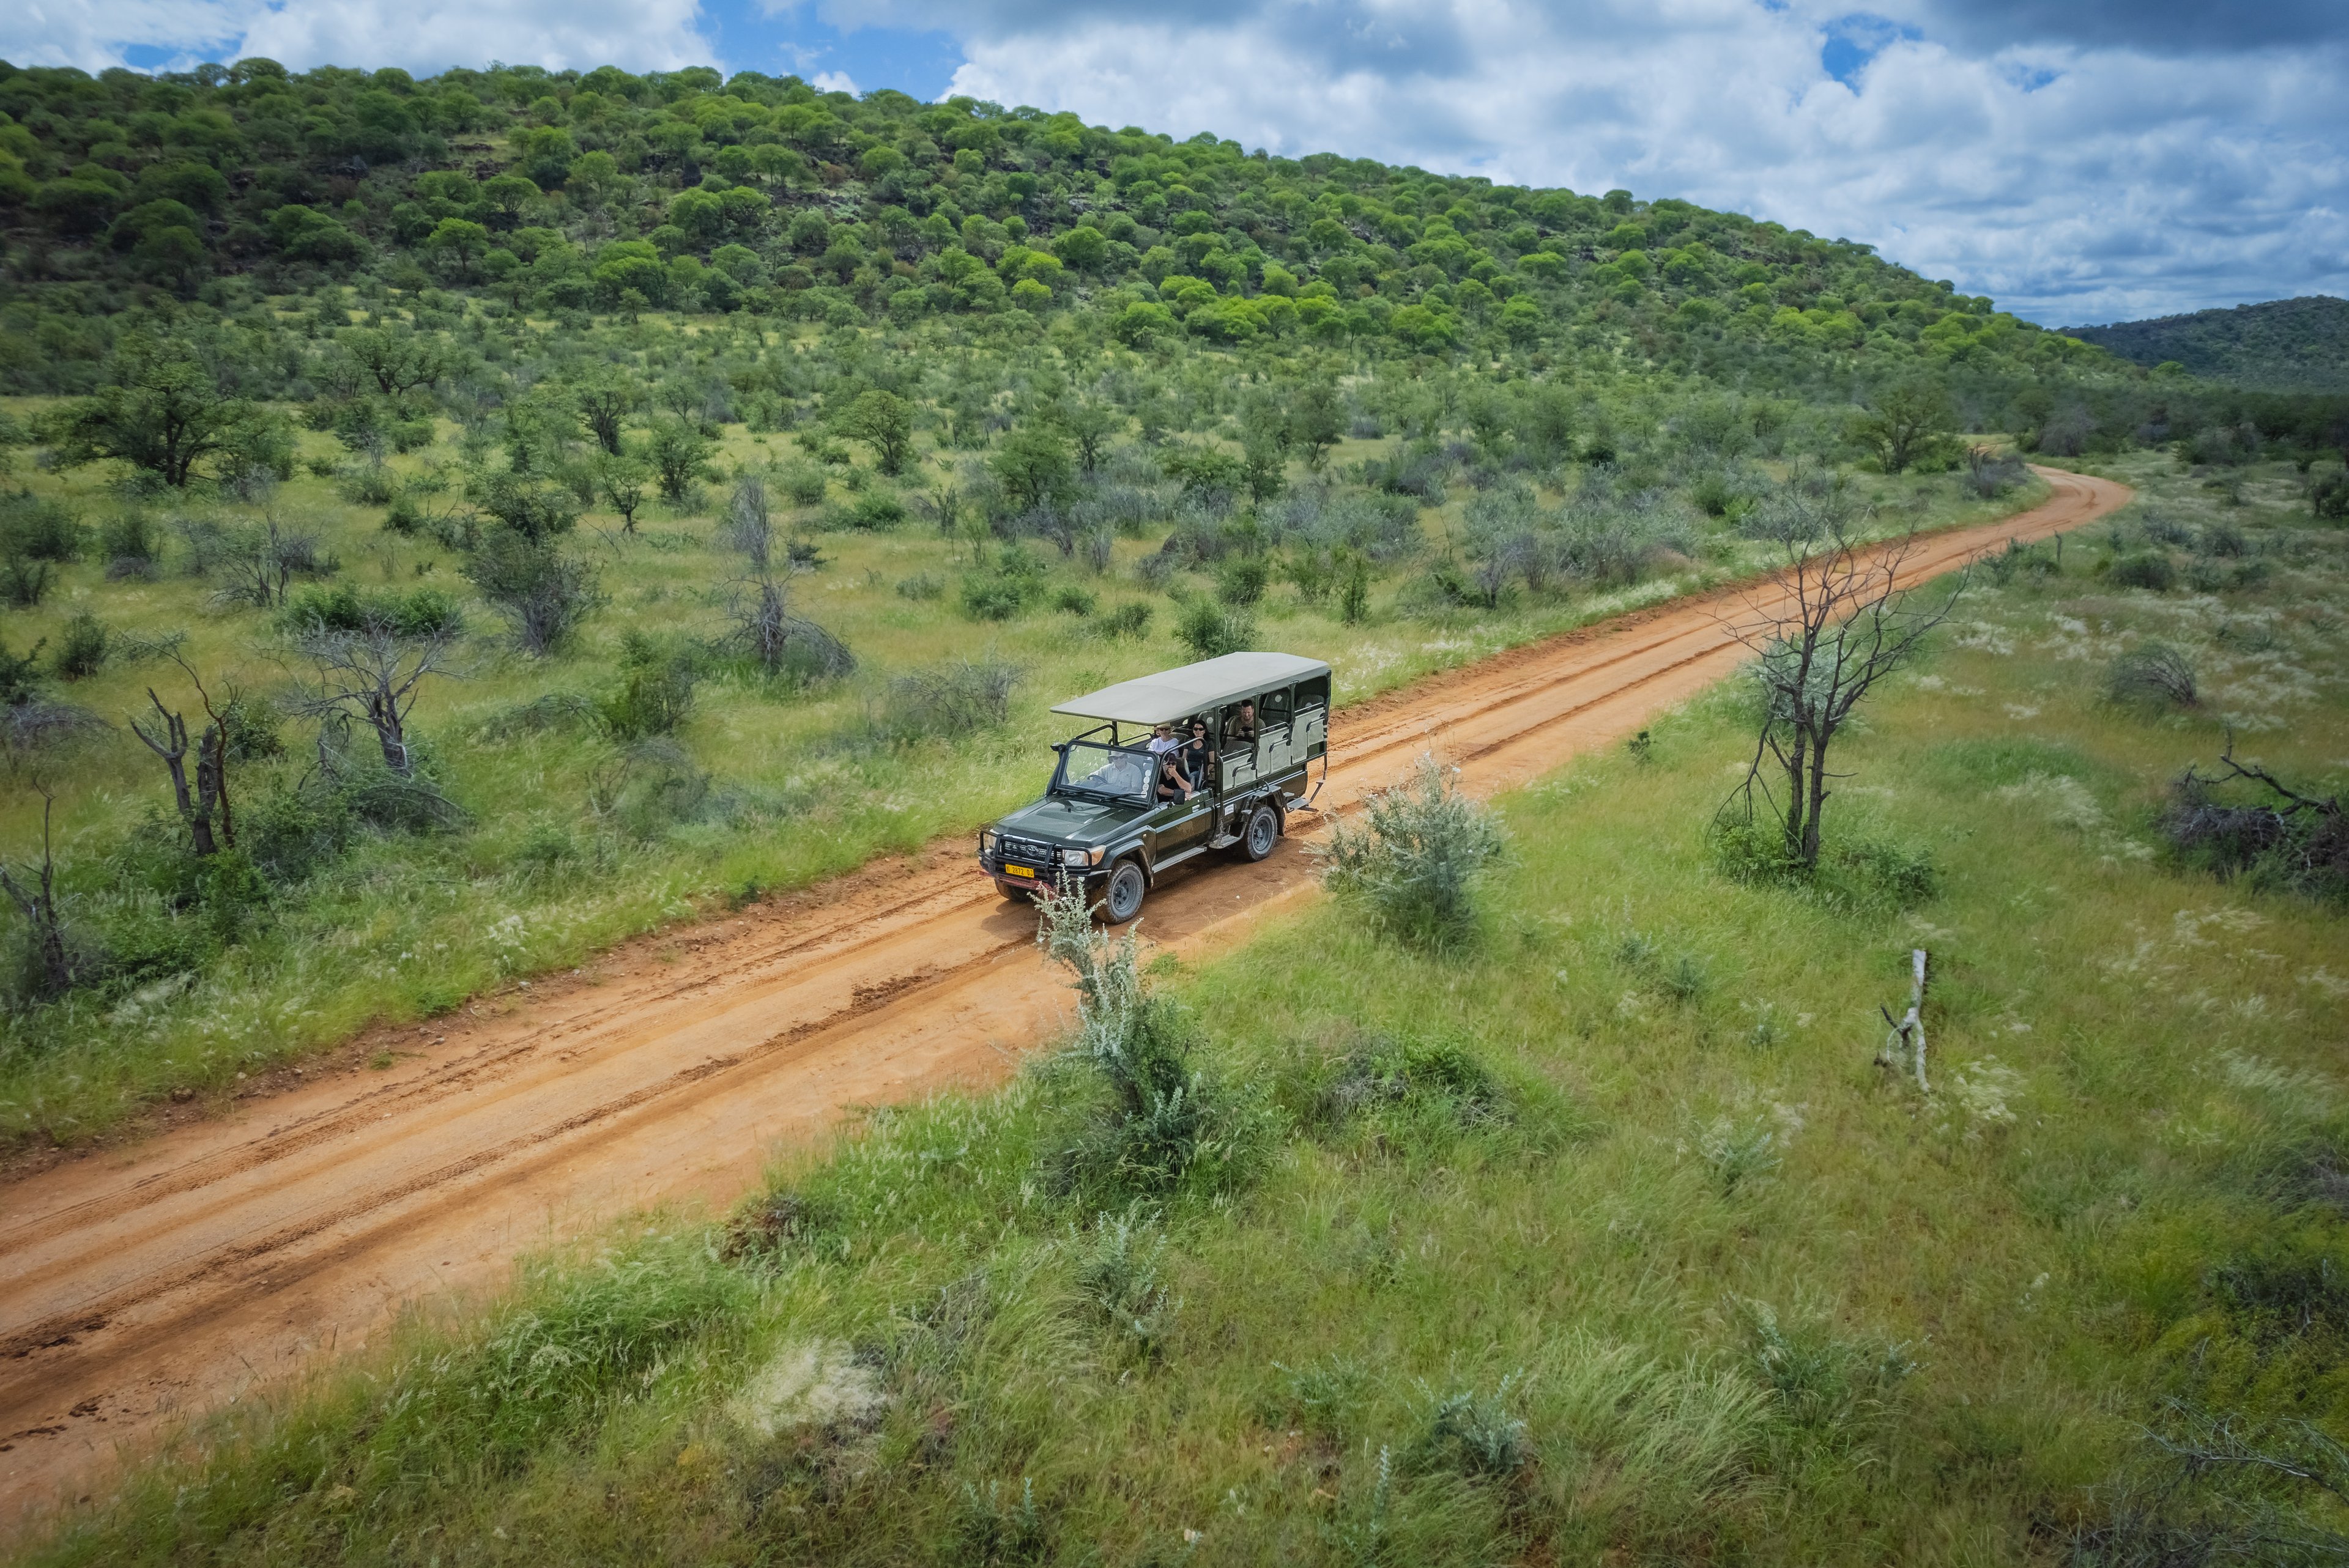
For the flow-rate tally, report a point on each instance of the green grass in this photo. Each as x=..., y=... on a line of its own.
x=800, y=787
x=1648, y=1262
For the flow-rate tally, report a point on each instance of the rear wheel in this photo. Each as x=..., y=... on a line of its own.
x=1263, y=829
x=1122, y=899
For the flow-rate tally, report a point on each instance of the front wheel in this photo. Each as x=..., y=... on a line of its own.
x=1122, y=899
x=1263, y=827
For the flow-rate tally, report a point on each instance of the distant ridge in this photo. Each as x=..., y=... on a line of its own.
x=2283, y=346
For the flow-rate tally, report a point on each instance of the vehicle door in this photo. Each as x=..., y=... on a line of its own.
x=1179, y=825
x=1235, y=757
x=1310, y=730
x=1275, y=742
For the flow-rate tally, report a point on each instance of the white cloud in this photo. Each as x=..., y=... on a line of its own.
x=2074, y=184
x=832, y=82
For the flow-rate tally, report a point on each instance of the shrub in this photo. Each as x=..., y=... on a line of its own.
x=1131, y=619
x=130, y=544
x=1163, y=1126
x=1242, y=580
x=542, y=594
x=1472, y=1434
x=876, y=511
x=1074, y=600
x=655, y=694
x=2156, y=676
x=1119, y=1270
x=23, y=581
x=370, y=484
x=36, y=529
x=2147, y=569
x=347, y=608
x=803, y=484
x=991, y=596
x=957, y=698
x=1416, y=862
x=919, y=587
x=2328, y=498
x=1211, y=630
x=2297, y=841
x=83, y=647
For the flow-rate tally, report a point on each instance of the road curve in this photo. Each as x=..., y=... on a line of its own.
x=142, y=1286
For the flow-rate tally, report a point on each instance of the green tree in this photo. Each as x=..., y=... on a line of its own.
x=1033, y=465
x=677, y=452
x=1904, y=422
x=460, y=241
x=1090, y=425
x=164, y=414
x=605, y=401
x=884, y=421
x=622, y=479
x=1317, y=419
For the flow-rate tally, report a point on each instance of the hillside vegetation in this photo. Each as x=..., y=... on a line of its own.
x=455, y=525
x=2280, y=345
x=1597, y=1235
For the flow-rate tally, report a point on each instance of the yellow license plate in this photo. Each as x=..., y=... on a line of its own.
x=1019, y=871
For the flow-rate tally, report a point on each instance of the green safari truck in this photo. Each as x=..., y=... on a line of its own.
x=1106, y=818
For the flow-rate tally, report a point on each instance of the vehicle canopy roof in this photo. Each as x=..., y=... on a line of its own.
x=1173, y=694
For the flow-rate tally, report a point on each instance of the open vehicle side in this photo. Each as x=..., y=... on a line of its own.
x=1099, y=819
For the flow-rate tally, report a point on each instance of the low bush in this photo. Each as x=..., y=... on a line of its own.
x=957, y=698
x=1131, y=619
x=1211, y=630
x=1415, y=857
x=2147, y=569
x=2157, y=676
x=82, y=647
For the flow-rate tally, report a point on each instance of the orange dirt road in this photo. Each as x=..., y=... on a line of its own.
x=142, y=1286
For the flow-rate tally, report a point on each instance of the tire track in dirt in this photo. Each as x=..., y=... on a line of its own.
x=152, y=1283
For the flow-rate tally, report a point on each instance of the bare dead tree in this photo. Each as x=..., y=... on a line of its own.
x=750, y=527
x=167, y=738
x=373, y=674
x=261, y=559
x=1827, y=627
x=765, y=628
x=39, y=905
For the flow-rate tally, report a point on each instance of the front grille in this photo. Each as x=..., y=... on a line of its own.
x=1028, y=852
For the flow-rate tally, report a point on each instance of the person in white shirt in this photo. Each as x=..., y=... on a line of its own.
x=1162, y=740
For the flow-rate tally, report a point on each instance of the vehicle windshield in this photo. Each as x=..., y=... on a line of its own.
x=1120, y=773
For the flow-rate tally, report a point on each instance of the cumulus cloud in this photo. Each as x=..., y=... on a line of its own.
x=2080, y=160
x=2013, y=148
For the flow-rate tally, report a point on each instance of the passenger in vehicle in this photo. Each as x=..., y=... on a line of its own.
x=1162, y=739
x=1172, y=784
x=1243, y=728
x=1198, y=757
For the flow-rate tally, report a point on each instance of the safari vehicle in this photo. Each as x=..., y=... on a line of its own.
x=1101, y=819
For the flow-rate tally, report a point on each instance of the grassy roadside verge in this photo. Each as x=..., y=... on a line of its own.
x=1644, y=1257
x=576, y=842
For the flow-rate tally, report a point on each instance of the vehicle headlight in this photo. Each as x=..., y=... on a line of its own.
x=986, y=840
x=1081, y=857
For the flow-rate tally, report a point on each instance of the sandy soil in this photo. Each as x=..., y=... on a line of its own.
x=147, y=1284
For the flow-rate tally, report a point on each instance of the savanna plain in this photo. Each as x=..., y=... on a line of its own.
x=700, y=488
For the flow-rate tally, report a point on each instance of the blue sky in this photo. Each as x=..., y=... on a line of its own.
x=2081, y=161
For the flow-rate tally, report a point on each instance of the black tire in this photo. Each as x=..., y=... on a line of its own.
x=1262, y=833
x=1121, y=898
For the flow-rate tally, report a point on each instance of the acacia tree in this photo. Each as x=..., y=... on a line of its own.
x=1826, y=627
x=604, y=402
x=398, y=360
x=884, y=421
x=164, y=414
x=1903, y=423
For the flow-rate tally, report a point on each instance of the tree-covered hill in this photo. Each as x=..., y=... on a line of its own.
x=571, y=192
x=2281, y=346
